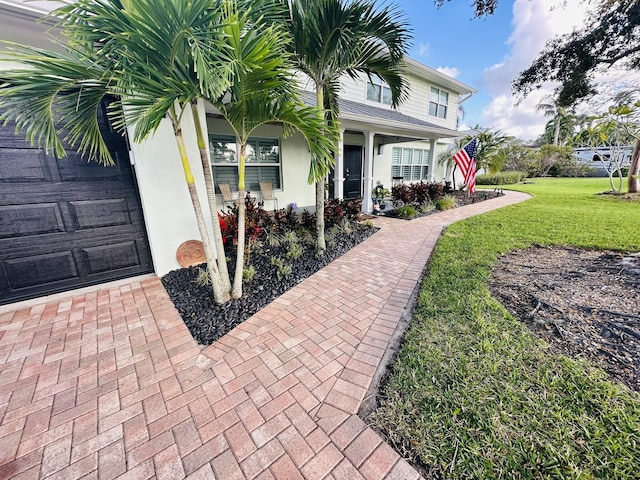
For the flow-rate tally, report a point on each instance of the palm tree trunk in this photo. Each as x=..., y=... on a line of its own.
x=211, y=197
x=320, y=240
x=633, y=181
x=556, y=134
x=321, y=245
x=219, y=294
x=237, y=278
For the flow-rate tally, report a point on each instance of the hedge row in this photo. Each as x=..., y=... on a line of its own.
x=501, y=178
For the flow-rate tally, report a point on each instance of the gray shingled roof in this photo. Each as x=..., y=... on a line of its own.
x=356, y=108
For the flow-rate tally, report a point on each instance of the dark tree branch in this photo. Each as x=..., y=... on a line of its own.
x=620, y=56
x=573, y=59
x=482, y=7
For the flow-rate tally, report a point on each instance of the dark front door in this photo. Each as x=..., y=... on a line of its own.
x=66, y=223
x=352, y=171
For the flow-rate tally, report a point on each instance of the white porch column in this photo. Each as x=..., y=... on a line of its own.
x=338, y=170
x=432, y=160
x=367, y=172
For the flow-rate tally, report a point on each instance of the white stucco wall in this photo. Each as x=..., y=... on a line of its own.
x=168, y=211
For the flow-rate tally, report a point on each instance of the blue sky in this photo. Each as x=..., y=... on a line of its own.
x=488, y=53
x=451, y=37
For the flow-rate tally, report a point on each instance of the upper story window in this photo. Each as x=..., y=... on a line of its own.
x=438, y=103
x=378, y=91
x=262, y=161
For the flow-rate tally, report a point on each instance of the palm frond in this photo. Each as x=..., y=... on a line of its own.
x=55, y=96
x=158, y=54
x=336, y=37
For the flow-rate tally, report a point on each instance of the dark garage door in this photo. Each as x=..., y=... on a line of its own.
x=66, y=223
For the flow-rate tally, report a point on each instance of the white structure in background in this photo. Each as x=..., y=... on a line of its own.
x=604, y=159
x=377, y=144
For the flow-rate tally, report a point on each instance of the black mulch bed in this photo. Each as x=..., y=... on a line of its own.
x=462, y=198
x=208, y=321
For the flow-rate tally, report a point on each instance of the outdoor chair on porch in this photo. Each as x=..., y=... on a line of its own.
x=266, y=191
x=227, y=196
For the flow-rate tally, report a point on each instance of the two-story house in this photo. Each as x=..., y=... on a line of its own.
x=377, y=143
x=65, y=223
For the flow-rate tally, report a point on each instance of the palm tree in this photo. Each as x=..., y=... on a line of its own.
x=552, y=108
x=490, y=142
x=563, y=126
x=262, y=91
x=332, y=38
x=157, y=58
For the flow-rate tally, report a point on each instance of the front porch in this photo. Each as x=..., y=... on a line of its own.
x=378, y=145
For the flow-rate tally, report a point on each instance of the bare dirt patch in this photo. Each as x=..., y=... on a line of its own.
x=584, y=303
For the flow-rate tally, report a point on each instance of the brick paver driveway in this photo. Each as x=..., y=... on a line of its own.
x=110, y=384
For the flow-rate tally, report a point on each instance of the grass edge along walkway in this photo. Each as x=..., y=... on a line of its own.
x=474, y=394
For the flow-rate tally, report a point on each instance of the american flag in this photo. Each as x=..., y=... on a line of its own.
x=466, y=162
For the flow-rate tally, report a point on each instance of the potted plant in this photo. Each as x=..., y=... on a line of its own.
x=378, y=195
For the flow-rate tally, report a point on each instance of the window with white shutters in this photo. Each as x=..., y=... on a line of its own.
x=262, y=161
x=412, y=164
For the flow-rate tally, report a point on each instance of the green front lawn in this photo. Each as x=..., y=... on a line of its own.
x=473, y=394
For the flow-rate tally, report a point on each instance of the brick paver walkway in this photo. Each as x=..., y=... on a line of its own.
x=110, y=384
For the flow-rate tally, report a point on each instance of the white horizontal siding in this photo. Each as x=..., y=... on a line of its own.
x=304, y=82
x=354, y=90
x=417, y=104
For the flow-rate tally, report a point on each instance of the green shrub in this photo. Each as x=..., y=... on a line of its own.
x=345, y=226
x=427, y=207
x=203, y=279
x=501, y=178
x=624, y=170
x=294, y=250
x=274, y=239
x=445, y=203
x=283, y=269
x=406, y=211
x=248, y=273
x=380, y=192
x=305, y=236
x=367, y=224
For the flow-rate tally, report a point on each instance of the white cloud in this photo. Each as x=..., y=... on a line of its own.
x=453, y=72
x=523, y=121
x=423, y=49
x=533, y=24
